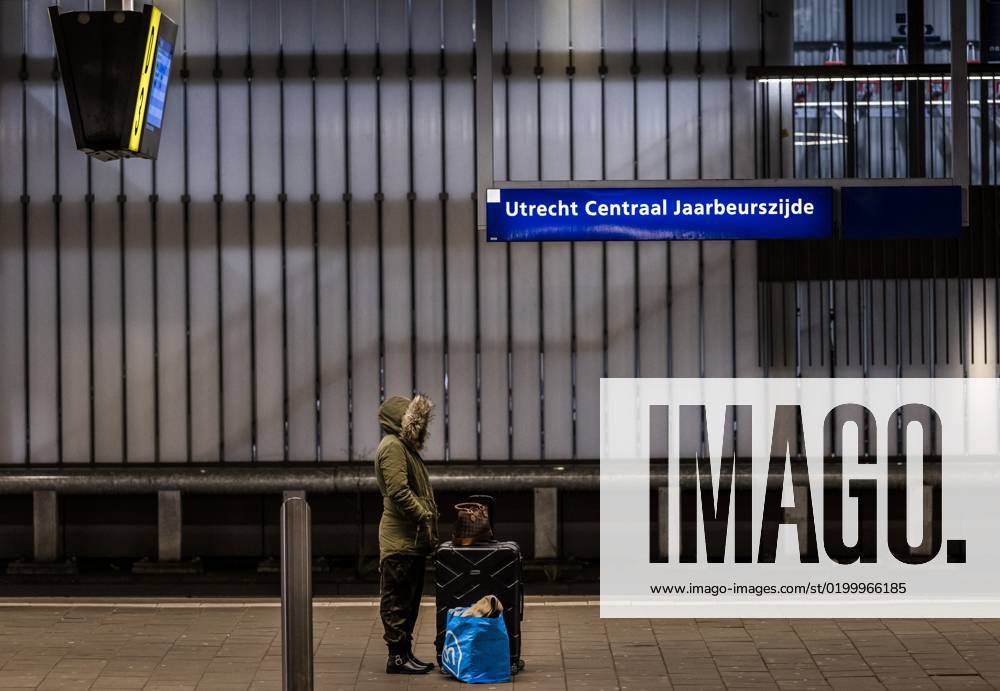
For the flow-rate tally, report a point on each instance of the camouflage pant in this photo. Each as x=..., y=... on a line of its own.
x=402, y=584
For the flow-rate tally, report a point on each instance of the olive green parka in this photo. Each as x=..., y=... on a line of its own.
x=409, y=512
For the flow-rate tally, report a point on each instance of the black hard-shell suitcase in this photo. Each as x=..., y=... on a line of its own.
x=463, y=575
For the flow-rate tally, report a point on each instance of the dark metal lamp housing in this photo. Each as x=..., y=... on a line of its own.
x=115, y=67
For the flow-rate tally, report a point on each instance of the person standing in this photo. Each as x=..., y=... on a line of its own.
x=408, y=530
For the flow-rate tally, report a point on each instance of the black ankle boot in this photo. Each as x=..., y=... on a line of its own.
x=402, y=664
x=417, y=661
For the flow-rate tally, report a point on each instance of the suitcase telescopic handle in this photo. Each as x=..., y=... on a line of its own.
x=490, y=507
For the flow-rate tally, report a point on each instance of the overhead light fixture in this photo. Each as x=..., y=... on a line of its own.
x=115, y=67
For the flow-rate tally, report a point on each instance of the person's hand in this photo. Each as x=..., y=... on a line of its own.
x=427, y=524
x=431, y=537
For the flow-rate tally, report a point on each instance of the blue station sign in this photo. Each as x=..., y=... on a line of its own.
x=665, y=213
x=896, y=213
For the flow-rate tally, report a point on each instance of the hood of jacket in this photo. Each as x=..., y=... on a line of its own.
x=407, y=418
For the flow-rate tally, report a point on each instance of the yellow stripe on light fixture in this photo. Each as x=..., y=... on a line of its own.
x=135, y=135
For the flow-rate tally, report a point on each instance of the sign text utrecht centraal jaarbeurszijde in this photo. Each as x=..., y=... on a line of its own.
x=683, y=213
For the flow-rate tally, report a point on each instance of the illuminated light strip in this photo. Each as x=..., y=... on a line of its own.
x=886, y=104
x=819, y=135
x=135, y=136
x=831, y=142
x=873, y=78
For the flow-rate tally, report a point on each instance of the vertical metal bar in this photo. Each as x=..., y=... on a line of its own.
x=805, y=136
x=781, y=285
x=969, y=245
x=570, y=73
x=767, y=341
x=909, y=301
x=765, y=250
x=155, y=271
x=960, y=288
x=847, y=306
x=314, y=209
x=862, y=284
x=411, y=194
x=984, y=176
x=445, y=336
x=219, y=283
x=25, y=254
x=636, y=294
x=960, y=169
x=477, y=26
x=920, y=285
x=123, y=315
x=379, y=201
x=91, y=381
x=850, y=111
x=944, y=126
x=849, y=31
x=761, y=255
x=992, y=190
x=947, y=300
x=667, y=69
x=283, y=228
x=345, y=73
x=984, y=267
x=730, y=72
x=541, y=246
x=699, y=71
x=823, y=308
x=186, y=221
x=296, y=595
x=781, y=129
x=884, y=244
x=915, y=114
x=989, y=171
x=602, y=71
x=960, y=102
x=869, y=162
x=808, y=246
x=868, y=354
x=932, y=335
x=930, y=135
x=251, y=246
x=483, y=50
x=892, y=99
x=508, y=276
x=57, y=227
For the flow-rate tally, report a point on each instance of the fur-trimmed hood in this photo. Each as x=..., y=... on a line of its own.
x=407, y=419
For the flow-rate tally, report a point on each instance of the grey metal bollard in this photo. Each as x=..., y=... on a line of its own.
x=296, y=595
x=546, y=522
x=46, y=524
x=169, y=525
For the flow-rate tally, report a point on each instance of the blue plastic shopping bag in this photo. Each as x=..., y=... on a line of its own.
x=476, y=650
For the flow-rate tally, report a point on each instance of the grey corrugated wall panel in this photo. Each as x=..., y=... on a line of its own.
x=545, y=21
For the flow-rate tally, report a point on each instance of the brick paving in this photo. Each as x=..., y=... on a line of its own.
x=185, y=645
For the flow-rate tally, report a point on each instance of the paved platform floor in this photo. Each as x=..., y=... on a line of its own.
x=182, y=645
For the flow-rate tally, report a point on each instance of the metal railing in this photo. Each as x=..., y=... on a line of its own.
x=326, y=478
